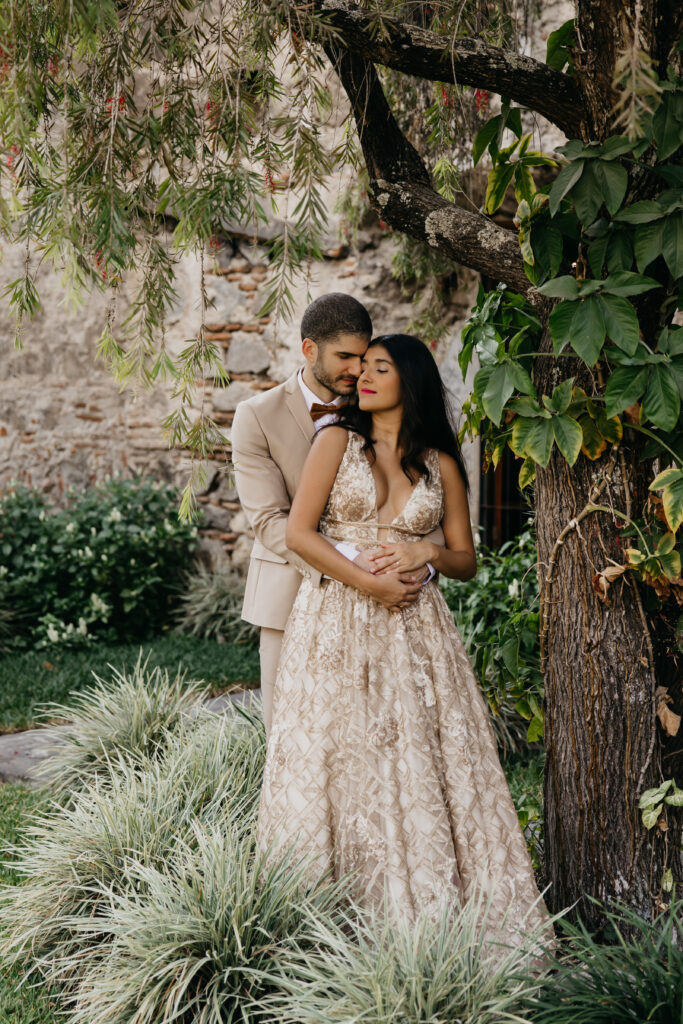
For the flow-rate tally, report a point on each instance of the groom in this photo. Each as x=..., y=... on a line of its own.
x=271, y=437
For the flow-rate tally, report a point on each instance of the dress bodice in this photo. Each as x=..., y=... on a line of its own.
x=351, y=510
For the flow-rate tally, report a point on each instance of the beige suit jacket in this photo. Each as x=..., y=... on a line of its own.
x=271, y=437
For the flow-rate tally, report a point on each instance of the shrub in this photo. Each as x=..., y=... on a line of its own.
x=200, y=939
x=129, y=714
x=106, y=566
x=137, y=810
x=525, y=779
x=634, y=979
x=211, y=607
x=384, y=971
x=497, y=616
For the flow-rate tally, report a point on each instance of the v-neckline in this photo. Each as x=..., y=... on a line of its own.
x=381, y=525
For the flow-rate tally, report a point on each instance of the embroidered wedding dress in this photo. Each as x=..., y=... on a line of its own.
x=381, y=757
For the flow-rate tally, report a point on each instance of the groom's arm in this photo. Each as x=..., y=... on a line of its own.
x=261, y=487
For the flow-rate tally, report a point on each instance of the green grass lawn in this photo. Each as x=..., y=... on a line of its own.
x=32, y=678
x=25, y=1005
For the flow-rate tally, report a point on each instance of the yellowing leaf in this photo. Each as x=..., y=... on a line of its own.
x=594, y=443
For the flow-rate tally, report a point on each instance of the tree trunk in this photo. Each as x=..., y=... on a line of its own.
x=601, y=739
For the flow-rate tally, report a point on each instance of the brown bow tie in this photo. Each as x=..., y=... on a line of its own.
x=317, y=410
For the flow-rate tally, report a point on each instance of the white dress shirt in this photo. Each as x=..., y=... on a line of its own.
x=348, y=550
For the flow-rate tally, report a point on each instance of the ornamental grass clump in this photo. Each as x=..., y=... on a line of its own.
x=211, y=607
x=135, y=810
x=439, y=968
x=132, y=713
x=636, y=978
x=202, y=937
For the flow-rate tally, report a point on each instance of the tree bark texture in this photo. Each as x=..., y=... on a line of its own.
x=601, y=740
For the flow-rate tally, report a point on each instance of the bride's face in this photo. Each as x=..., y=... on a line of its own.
x=379, y=384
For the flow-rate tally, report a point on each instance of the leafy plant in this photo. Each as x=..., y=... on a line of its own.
x=201, y=938
x=497, y=615
x=106, y=565
x=440, y=968
x=128, y=714
x=525, y=779
x=211, y=607
x=633, y=979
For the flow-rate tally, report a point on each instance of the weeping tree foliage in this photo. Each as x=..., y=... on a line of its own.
x=136, y=132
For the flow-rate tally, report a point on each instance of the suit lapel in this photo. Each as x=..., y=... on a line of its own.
x=296, y=403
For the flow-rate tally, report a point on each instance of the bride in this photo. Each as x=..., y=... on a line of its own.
x=381, y=759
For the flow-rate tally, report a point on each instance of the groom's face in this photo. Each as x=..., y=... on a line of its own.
x=336, y=364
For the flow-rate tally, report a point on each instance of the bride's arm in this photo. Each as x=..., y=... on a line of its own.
x=317, y=478
x=457, y=557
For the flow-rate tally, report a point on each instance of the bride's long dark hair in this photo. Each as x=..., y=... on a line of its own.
x=426, y=419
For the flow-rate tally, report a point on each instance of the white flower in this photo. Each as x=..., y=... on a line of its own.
x=82, y=627
x=34, y=547
x=52, y=634
x=41, y=514
x=115, y=516
x=3, y=571
x=70, y=527
x=93, y=531
x=87, y=552
x=513, y=589
x=100, y=607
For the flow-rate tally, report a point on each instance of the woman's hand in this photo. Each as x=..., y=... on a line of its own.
x=401, y=557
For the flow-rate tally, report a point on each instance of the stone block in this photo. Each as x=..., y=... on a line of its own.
x=240, y=524
x=227, y=399
x=216, y=518
x=224, y=298
x=247, y=354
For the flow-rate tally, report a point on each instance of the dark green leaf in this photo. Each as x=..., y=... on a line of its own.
x=520, y=378
x=596, y=254
x=561, y=288
x=625, y=386
x=560, y=322
x=562, y=396
x=558, y=51
x=498, y=389
x=619, y=251
x=484, y=137
x=624, y=282
x=614, y=147
x=668, y=128
x=587, y=196
x=648, y=243
x=672, y=244
x=587, y=333
x=640, y=213
x=514, y=121
x=662, y=402
x=565, y=180
x=621, y=322
x=613, y=181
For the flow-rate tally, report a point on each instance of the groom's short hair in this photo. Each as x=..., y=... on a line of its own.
x=333, y=314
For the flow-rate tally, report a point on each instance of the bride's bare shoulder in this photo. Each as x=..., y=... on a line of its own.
x=332, y=439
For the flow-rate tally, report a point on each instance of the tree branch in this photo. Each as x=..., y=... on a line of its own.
x=401, y=190
x=424, y=54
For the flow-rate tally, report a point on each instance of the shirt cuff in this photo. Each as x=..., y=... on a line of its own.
x=432, y=574
x=347, y=550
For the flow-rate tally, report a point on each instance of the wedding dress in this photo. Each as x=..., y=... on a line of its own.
x=381, y=758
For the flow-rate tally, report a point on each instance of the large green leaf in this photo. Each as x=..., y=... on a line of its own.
x=547, y=246
x=613, y=180
x=587, y=332
x=569, y=437
x=662, y=402
x=668, y=126
x=625, y=387
x=561, y=288
x=498, y=389
x=587, y=195
x=624, y=282
x=533, y=438
x=621, y=322
x=560, y=323
x=558, y=50
x=596, y=254
x=672, y=244
x=619, y=250
x=648, y=243
x=641, y=212
x=565, y=180
x=484, y=137
x=520, y=378
x=562, y=396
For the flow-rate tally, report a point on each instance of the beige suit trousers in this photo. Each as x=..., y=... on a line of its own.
x=270, y=644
